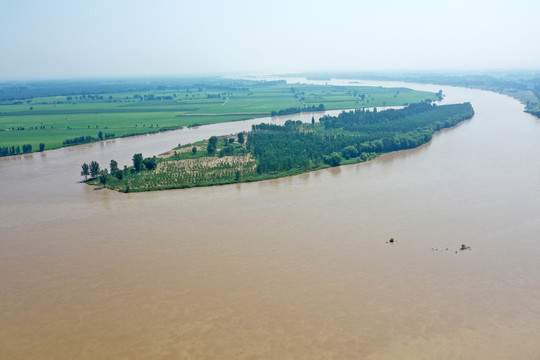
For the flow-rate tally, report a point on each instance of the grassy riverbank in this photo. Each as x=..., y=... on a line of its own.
x=273, y=151
x=75, y=115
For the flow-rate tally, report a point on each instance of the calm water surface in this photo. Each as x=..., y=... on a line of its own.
x=292, y=268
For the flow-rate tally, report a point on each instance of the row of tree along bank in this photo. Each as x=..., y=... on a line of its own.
x=17, y=150
x=270, y=151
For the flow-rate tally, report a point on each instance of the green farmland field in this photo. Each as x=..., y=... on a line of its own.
x=54, y=119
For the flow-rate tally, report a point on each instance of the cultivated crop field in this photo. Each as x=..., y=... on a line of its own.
x=53, y=120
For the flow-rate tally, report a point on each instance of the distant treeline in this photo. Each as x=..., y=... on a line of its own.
x=87, y=139
x=296, y=110
x=21, y=90
x=523, y=85
x=521, y=81
x=153, y=97
x=356, y=134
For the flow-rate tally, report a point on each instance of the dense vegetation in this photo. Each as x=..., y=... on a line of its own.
x=354, y=134
x=63, y=113
x=270, y=151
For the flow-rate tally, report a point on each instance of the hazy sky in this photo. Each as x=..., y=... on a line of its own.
x=48, y=39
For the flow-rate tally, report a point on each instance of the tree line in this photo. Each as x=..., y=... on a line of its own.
x=296, y=110
x=17, y=150
x=93, y=170
x=86, y=139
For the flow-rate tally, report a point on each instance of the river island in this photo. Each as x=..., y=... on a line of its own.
x=271, y=151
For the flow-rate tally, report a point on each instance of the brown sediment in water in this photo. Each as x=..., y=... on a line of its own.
x=291, y=268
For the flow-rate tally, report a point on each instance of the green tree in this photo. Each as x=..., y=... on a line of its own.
x=349, y=152
x=114, y=167
x=100, y=135
x=334, y=159
x=41, y=146
x=94, y=169
x=138, y=162
x=194, y=150
x=103, y=176
x=212, y=144
x=363, y=156
x=226, y=151
x=150, y=163
x=241, y=138
x=85, y=171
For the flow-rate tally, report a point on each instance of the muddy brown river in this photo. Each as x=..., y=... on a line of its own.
x=295, y=268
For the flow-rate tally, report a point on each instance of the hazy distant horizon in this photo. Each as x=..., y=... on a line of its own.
x=68, y=40
x=394, y=73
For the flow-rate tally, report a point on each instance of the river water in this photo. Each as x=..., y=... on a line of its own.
x=297, y=267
